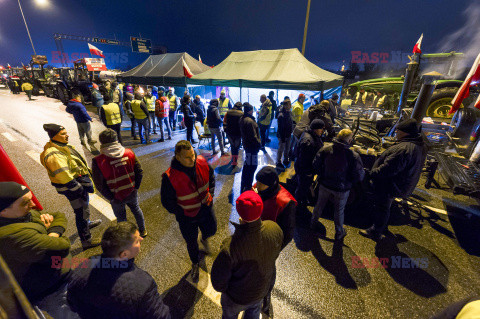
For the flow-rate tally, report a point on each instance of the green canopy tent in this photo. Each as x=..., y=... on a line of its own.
x=271, y=69
x=164, y=69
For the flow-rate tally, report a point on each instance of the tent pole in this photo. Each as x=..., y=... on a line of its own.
x=240, y=90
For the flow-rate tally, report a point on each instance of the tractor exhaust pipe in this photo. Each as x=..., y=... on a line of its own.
x=425, y=96
x=412, y=67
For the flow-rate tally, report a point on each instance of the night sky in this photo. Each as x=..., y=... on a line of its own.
x=214, y=28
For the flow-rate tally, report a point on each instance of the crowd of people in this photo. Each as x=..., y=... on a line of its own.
x=244, y=270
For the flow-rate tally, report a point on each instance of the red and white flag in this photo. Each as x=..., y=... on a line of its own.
x=9, y=66
x=186, y=70
x=472, y=78
x=417, y=48
x=95, y=51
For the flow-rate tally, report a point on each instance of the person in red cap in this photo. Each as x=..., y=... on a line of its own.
x=245, y=267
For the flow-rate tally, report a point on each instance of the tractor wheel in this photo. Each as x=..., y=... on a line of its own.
x=62, y=94
x=463, y=121
x=440, y=103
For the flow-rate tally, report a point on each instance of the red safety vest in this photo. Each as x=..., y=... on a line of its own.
x=162, y=107
x=119, y=173
x=191, y=196
x=273, y=206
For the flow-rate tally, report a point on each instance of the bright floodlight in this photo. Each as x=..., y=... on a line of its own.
x=42, y=3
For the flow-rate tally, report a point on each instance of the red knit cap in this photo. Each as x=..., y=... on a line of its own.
x=249, y=206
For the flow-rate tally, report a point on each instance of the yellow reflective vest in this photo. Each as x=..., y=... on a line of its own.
x=112, y=113
x=223, y=106
x=297, y=111
x=63, y=163
x=27, y=86
x=138, y=113
x=150, y=102
x=266, y=121
x=173, y=102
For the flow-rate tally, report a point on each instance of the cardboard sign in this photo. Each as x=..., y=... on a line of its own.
x=95, y=64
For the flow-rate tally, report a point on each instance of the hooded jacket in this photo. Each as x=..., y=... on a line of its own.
x=231, y=121
x=250, y=133
x=308, y=146
x=78, y=110
x=285, y=124
x=213, y=115
x=265, y=115
x=398, y=169
x=315, y=112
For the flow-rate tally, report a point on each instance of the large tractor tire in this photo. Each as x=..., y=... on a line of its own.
x=62, y=93
x=440, y=103
x=463, y=122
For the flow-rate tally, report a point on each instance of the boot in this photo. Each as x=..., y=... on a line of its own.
x=94, y=223
x=90, y=243
x=195, y=273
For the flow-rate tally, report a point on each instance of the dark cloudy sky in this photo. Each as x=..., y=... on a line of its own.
x=214, y=28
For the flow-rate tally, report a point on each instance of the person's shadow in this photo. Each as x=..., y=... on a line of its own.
x=181, y=298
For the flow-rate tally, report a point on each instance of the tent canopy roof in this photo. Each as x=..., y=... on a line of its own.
x=281, y=69
x=163, y=69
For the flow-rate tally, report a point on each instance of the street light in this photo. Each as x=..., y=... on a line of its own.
x=42, y=3
x=306, y=28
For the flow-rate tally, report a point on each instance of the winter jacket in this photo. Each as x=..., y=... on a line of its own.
x=168, y=194
x=162, y=107
x=114, y=151
x=265, y=114
x=28, y=251
x=78, y=110
x=199, y=109
x=297, y=111
x=338, y=167
x=97, y=98
x=285, y=124
x=108, y=288
x=188, y=116
x=398, y=169
x=315, y=112
x=213, y=116
x=250, y=134
x=245, y=266
x=274, y=107
x=231, y=122
x=307, y=148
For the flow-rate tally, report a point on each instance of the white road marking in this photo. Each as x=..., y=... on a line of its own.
x=204, y=285
x=96, y=201
x=9, y=137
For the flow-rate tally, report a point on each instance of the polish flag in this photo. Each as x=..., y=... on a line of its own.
x=472, y=78
x=186, y=70
x=9, y=66
x=417, y=47
x=200, y=59
x=95, y=51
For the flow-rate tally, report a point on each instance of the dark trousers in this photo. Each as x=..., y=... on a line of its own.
x=82, y=214
x=231, y=310
x=206, y=221
x=235, y=142
x=249, y=167
x=153, y=124
x=143, y=125
x=383, y=203
x=29, y=94
x=189, y=126
x=132, y=129
x=132, y=202
x=263, y=133
x=304, y=182
x=173, y=119
x=116, y=128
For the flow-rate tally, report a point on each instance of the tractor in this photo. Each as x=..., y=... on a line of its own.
x=76, y=79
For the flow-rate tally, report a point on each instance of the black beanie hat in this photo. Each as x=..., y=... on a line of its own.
x=238, y=105
x=52, y=129
x=268, y=176
x=247, y=107
x=409, y=126
x=108, y=136
x=10, y=192
x=317, y=124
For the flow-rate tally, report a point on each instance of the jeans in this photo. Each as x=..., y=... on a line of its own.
x=206, y=221
x=132, y=128
x=116, y=128
x=82, y=214
x=132, y=202
x=235, y=142
x=283, y=149
x=304, y=182
x=231, y=310
x=172, y=118
x=263, y=133
x=161, y=122
x=218, y=133
x=383, y=202
x=84, y=129
x=189, y=127
x=29, y=94
x=249, y=167
x=339, y=200
x=153, y=124
x=143, y=124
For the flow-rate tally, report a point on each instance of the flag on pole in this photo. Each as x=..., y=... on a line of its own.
x=472, y=79
x=9, y=66
x=186, y=69
x=417, y=48
x=95, y=51
x=200, y=59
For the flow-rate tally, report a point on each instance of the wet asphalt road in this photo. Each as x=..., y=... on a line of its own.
x=316, y=278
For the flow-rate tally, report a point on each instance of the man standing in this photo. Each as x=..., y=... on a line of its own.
x=224, y=103
x=81, y=117
x=251, y=145
x=284, y=133
x=117, y=173
x=140, y=111
x=162, y=109
x=70, y=175
x=231, y=124
x=395, y=174
x=97, y=97
x=187, y=191
x=149, y=100
x=188, y=117
x=172, y=98
x=338, y=169
x=111, y=116
x=29, y=239
x=333, y=107
x=271, y=97
x=214, y=121
x=297, y=108
x=111, y=285
x=264, y=119
x=118, y=96
x=245, y=268
x=27, y=87
x=198, y=108
x=131, y=115
x=308, y=146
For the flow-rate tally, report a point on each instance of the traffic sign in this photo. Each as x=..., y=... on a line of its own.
x=141, y=45
x=106, y=41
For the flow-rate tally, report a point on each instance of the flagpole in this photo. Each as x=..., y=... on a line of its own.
x=26, y=26
x=306, y=28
